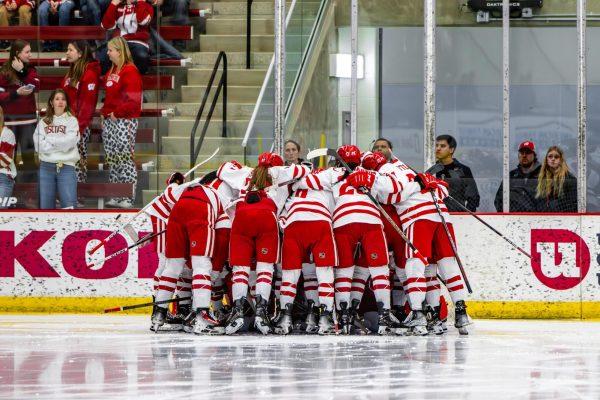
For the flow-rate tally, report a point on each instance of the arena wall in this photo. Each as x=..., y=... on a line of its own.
x=44, y=266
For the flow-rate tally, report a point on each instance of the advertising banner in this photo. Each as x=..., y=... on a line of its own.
x=44, y=265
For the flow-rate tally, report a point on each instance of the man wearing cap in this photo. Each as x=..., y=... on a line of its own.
x=523, y=181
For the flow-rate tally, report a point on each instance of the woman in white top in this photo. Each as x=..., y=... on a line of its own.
x=55, y=140
x=8, y=172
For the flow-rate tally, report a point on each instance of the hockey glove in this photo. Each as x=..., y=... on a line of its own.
x=176, y=177
x=427, y=182
x=373, y=161
x=361, y=178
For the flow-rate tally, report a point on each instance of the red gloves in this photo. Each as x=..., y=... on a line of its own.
x=268, y=159
x=361, y=178
x=373, y=161
x=429, y=182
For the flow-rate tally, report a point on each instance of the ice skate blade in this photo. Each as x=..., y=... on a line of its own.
x=419, y=331
x=261, y=326
x=171, y=328
x=215, y=331
x=311, y=330
x=281, y=331
x=463, y=331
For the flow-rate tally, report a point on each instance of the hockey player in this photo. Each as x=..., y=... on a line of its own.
x=356, y=220
x=191, y=234
x=307, y=228
x=255, y=231
x=423, y=226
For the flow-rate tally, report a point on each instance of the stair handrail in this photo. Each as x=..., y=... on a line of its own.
x=248, y=31
x=265, y=83
x=195, y=148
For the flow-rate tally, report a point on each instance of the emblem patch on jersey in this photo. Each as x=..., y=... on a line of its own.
x=264, y=250
x=373, y=256
x=193, y=243
x=91, y=86
x=322, y=255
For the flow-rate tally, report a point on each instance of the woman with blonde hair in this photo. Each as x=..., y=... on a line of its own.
x=55, y=140
x=120, y=113
x=557, y=187
x=8, y=172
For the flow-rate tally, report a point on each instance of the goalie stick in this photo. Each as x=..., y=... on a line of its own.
x=154, y=303
x=114, y=233
x=332, y=153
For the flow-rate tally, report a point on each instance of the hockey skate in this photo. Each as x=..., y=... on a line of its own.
x=261, y=316
x=236, y=318
x=344, y=318
x=174, y=322
x=159, y=316
x=205, y=325
x=284, y=326
x=326, y=323
x=416, y=323
x=188, y=322
x=461, y=319
x=434, y=324
x=385, y=324
x=312, y=318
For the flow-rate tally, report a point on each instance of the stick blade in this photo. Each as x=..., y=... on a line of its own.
x=317, y=153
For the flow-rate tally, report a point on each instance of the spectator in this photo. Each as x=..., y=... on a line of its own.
x=383, y=146
x=93, y=10
x=556, y=186
x=132, y=22
x=523, y=181
x=8, y=172
x=292, y=152
x=81, y=85
x=18, y=82
x=120, y=113
x=179, y=10
x=459, y=177
x=60, y=8
x=10, y=8
x=56, y=140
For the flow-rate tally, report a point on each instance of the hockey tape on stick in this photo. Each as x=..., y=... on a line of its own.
x=144, y=240
x=202, y=163
x=334, y=154
x=134, y=306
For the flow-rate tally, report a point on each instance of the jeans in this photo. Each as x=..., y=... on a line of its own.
x=141, y=57
x=24, y=135
x=93, y=10
x=163, y=49
x=179, y=10
x=64, y=181
x=6, y=188
x=64, y=13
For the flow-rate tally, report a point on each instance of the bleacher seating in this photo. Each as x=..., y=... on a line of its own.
x=150, y=82
x=62, y=62
x=82, y=32
x=87, y=190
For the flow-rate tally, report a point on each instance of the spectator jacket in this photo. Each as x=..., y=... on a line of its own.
x=30, y=3
x=84, y=96
x=523, y=187
x=57, y=142
x=7, y=153
x=461, y=184
x=565, y=203
x=19, y=110
x=132, y=21
x=123, y=93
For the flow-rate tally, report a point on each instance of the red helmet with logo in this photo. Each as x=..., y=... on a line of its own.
x=350, y=154
x=268, y=159
x=373, y=160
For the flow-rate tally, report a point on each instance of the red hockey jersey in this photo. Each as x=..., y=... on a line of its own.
x=84, y=95
x=132, y=21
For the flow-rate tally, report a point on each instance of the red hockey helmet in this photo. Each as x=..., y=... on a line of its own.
x=268, y=159
x=373, y=160
x=350, y=154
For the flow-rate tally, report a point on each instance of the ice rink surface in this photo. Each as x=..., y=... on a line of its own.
x=101, y=357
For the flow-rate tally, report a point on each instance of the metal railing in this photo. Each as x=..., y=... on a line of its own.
x=195, y=148
x=248, y=32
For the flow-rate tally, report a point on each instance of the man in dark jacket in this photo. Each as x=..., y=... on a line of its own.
x=459, y=176
x=523, y=181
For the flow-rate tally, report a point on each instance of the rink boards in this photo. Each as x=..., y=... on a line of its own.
x=44, y=264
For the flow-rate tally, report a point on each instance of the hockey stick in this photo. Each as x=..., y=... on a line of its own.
x=114, y=233
x=140, y=242
x=154, y=303
x=513, y=244
x=332, y=153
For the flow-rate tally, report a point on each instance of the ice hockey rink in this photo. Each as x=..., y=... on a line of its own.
x=95, y=357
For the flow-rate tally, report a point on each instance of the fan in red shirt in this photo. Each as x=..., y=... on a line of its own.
x=81, y=84
x=122, y=107
x=130, y=20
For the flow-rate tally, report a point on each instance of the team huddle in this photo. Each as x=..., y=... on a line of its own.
x=238, y=234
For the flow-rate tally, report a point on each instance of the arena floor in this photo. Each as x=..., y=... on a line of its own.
x=100, y=357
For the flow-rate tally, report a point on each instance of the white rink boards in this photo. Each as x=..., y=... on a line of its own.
x=100, y=357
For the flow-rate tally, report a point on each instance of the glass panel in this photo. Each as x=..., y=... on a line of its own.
x=469, y=106
x=593, y=120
